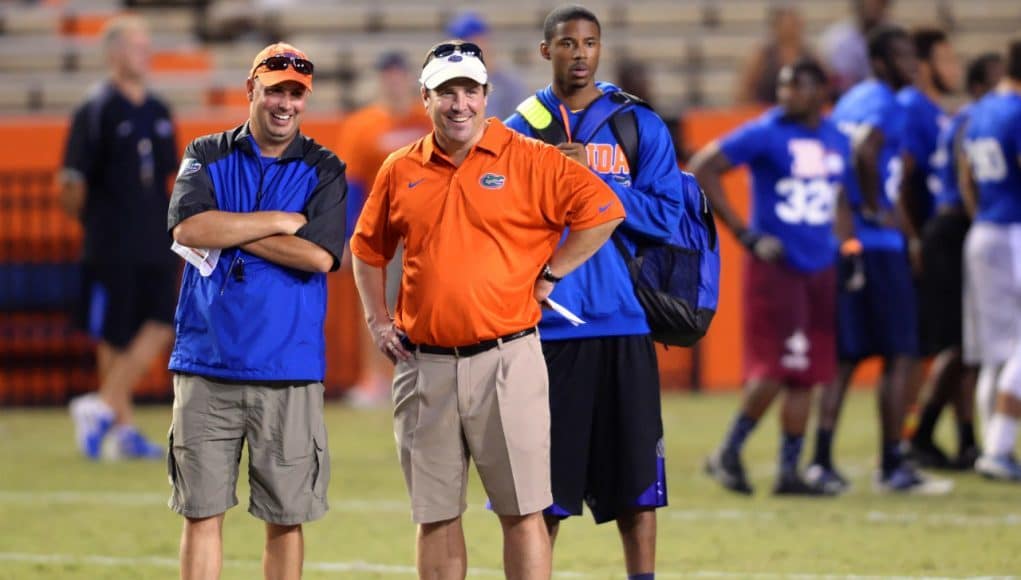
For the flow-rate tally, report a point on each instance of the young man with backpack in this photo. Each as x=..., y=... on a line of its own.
x=606, y=429
x=799, y=163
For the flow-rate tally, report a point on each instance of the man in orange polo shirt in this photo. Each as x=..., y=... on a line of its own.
x=480, y=210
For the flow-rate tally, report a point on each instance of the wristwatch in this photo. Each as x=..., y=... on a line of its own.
x=547, y=274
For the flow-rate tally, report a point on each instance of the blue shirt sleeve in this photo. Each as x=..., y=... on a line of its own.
x=654, y=200
x=913, y=137
x=892, y=120
x=356, y=195
x=745, y=143
x=1017, y=141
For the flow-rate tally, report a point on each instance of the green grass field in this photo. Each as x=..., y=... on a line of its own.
x=63, y=517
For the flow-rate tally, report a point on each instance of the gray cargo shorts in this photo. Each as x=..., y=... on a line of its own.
x=288, y=460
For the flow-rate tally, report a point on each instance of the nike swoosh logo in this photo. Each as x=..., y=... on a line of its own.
x=605, y=207
x=414, y=183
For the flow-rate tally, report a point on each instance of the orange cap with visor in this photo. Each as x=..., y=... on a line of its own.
x=282, y=62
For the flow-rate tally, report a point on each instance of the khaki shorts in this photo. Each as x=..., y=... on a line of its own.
x=289, y=465
x=492, y=407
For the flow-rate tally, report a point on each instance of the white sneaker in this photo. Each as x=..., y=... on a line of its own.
x=1002, y=467
x=906, y=480
x=92, y=420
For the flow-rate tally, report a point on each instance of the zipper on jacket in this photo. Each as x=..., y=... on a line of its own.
x=237, y=263
x=230, y=271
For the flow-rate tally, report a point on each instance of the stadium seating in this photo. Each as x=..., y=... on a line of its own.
x=699, y=41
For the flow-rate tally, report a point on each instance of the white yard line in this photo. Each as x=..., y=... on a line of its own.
x=397, y=570
x=871, y=516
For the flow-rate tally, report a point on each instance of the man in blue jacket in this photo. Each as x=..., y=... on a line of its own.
x=249, y=356
x=607, y=433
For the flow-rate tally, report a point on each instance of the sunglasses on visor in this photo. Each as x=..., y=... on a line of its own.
x=466, y=48
x=281, y=62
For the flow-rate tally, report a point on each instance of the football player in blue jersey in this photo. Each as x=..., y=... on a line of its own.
x=799, y=163
x=992, y=143
x=938, y=77
x=951, y=379
x=878, y=318
x=606, y=429
x=938, y=74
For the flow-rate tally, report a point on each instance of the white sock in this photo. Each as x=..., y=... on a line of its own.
x=1000, y=435
x=985, y=395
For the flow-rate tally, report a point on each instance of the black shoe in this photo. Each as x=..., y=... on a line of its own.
x=792, y=484
x=727, y=470
x=965, y=460
x=827, y=479
x=927, y=454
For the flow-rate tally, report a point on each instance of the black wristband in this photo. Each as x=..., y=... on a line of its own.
x=547, y=274
x=749, y=238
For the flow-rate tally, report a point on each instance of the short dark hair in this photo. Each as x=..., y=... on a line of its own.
x=1014, y=60
x=567, y=13
x=881, y=40
x=808, y=66
x=925, y=40
x=978, y=70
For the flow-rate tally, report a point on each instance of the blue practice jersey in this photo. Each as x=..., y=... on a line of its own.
x=993, y=144
x=796, y=175
x=872, y=104
x=924, y=121
x=949, y=193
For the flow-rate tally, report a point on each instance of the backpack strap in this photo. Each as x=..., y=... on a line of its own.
x=599, y=112
x=547, y=127
x=625, y=131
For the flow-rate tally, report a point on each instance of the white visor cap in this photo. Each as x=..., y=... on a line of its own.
x=453, y=66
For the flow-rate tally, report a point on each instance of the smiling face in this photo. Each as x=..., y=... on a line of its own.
x=275, y=114
x=574, y=51
x=458, y=112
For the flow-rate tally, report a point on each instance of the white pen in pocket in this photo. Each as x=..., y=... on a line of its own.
x=570, y=316
x=203, y=259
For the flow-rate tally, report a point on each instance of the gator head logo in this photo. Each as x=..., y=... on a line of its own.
x=189, y=166
x=492, y=181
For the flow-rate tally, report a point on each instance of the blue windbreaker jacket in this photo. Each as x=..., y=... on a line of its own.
x=251, y=319
x=600, y=290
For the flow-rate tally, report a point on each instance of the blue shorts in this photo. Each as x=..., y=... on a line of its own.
x=881, y=318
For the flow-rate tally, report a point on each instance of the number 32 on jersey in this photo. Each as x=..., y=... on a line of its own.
x=807, y=197
x=805, y=202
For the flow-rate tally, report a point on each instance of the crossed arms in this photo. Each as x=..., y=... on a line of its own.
x=267, y=234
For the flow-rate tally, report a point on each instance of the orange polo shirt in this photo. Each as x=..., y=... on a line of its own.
x=476, y=236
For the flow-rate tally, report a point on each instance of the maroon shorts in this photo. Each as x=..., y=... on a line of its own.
x=789, y=324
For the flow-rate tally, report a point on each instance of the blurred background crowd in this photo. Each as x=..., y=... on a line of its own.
x=705, y=65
